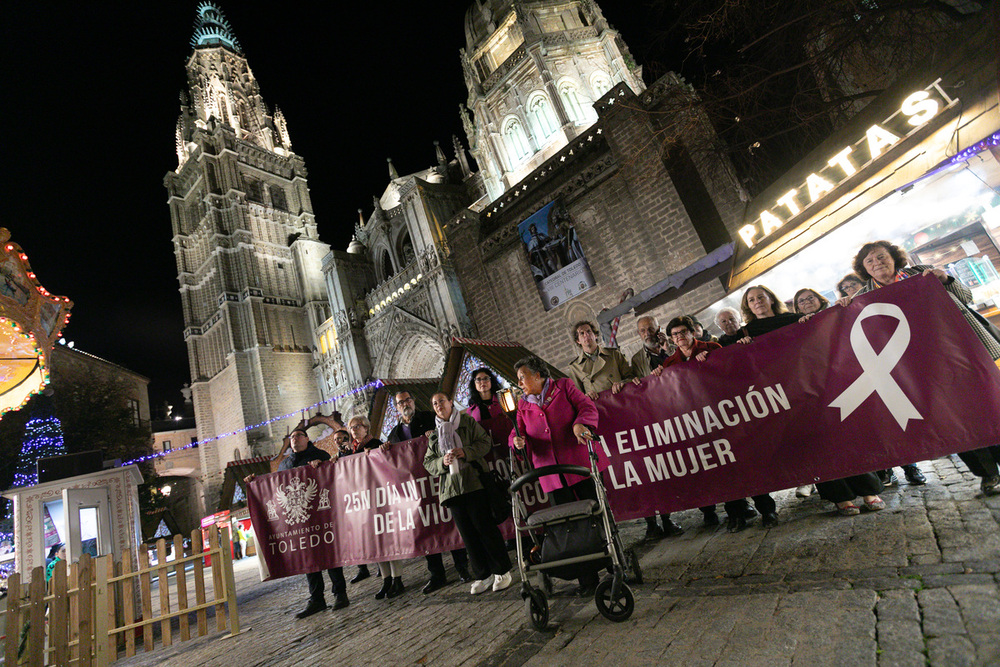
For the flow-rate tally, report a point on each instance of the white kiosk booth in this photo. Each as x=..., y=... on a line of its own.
x=97, y=513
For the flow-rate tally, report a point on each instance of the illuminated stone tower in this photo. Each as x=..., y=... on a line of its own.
x=248, y=254
x=533, y=71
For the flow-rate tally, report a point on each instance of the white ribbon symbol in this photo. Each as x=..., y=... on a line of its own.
x=876, y=367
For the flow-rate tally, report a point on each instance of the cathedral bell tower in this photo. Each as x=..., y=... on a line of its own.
x=248, y=255
x=533, y=71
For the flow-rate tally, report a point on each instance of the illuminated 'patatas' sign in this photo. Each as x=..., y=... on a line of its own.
x=916, y=110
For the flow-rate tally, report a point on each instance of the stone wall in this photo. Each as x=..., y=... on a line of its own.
x=632, y=223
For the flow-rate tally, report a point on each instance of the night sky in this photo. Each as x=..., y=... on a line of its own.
x=89, y=108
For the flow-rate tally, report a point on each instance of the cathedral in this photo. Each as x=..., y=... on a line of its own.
x=275, y=320
x=249, y=259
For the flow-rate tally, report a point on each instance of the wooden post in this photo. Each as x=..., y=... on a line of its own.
x=13, y=618
x=145, y=584
x=36, y=616
x=162, y=572
x=72, y=584
x=230, y=582
x=85, y=608
x=104, y=610
x=58, y=616
x=218, y=592
x=180, y=576
x=128, y=601
x=199, y=582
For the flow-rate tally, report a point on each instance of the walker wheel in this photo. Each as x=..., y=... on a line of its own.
x=537, y=608
x=619, y=609
x=633, y=570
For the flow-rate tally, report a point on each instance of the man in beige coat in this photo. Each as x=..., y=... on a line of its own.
x=597, y=368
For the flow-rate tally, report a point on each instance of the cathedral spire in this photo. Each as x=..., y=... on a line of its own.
x=212, y=29
x=393, y=174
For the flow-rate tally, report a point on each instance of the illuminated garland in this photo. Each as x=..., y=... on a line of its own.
x=155, y=455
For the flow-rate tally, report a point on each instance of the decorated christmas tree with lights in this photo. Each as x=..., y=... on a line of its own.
x=43, y=437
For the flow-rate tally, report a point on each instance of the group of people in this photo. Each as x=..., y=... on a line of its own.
x=556, y=418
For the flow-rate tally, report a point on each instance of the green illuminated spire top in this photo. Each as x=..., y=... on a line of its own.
x=212, y=29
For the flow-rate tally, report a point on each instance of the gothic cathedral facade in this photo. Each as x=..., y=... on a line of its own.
x=248, y=255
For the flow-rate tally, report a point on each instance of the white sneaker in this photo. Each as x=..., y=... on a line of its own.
x=482, y=585
x=804, y=491
x=501, y=582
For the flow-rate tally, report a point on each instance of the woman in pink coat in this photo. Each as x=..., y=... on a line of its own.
x=556, y=419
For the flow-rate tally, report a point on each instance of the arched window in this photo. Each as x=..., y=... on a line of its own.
x=541, y=113
x=405, y=250
x=571, y=101
x=517, y=142
x=601, y=83
x=385, y=265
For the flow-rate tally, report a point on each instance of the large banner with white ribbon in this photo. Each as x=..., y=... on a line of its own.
x=896, y=377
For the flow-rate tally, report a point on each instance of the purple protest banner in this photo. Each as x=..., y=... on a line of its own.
x=898, y=376
x=362, y=508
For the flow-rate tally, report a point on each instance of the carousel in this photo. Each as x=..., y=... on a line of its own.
x=31, y=320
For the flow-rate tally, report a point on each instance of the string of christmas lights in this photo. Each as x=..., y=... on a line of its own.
x=155, y=455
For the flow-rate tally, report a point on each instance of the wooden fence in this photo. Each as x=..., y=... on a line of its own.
x=98, y=609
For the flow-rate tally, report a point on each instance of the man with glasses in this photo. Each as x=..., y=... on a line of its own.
x=413, y=424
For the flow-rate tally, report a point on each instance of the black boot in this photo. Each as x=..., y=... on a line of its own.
x=386, y=585
x=711, y=518
x=340, y=601
x=463, y=574
x=396, y=589
x=362, y=574
x=314, y=606
x=670, y=529
x=653, y=531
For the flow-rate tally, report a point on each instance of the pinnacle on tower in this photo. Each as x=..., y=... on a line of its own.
x=393, y=174
x=212, y=29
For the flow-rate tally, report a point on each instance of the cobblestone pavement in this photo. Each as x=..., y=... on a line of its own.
x=915, y=584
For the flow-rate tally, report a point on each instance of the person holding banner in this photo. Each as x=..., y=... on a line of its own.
x=413, y=424
x=763, y=313
x=456, y=451
x=656, y=347
x=557, y=421
x=597, y=368
x=881, y=263
x=728, y=319
x=683, y=333
x=304, y=452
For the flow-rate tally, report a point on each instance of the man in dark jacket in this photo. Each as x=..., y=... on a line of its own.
x=413, y=424
x=303, y=452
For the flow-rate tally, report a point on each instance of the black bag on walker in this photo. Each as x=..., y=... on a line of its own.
x=569, y=539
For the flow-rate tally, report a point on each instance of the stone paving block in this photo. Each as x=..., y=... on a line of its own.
x=935, y=568
x=939, y=613
x=951, y=650
x=934, y=580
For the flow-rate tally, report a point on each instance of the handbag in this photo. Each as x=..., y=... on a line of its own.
x=497, y=492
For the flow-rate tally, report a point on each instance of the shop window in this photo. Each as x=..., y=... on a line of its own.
x=166, y=445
